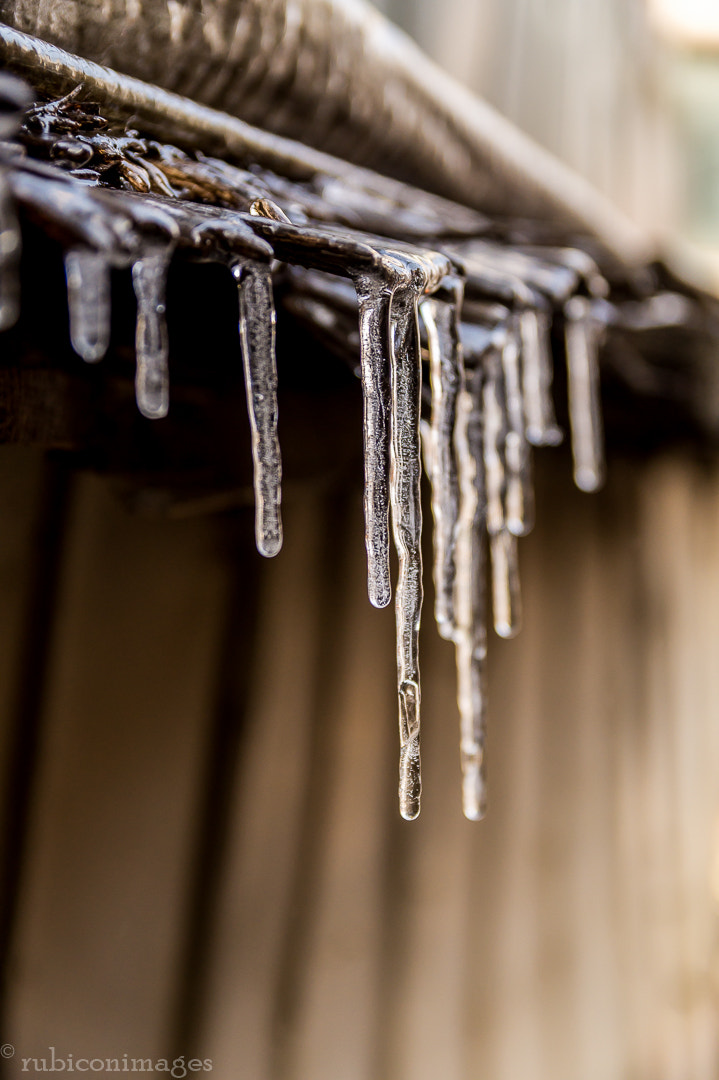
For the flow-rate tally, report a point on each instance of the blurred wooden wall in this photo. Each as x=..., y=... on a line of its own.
x=214, y=864
x=585, y=78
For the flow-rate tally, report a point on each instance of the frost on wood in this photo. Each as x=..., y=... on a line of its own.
x=449, y=323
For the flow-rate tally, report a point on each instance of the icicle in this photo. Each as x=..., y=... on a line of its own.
x=407, y=528
x=374, y=296
x=506, y=597
x=445, y=358
x=9, y=258
x=519, y=499
x=152, y=384
x=425, y=433
x=257, y=342
x=470, y=635
x=542, y=427
x=503, y=545
x=88, y=297
x=584, y=403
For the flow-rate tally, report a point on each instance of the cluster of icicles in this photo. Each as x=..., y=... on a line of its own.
x=490, y=399
x=490, y=381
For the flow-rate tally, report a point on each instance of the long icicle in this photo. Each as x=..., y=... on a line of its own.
x=407, y=528
x=374, y=297
x=585, y=415
x=257, y=342
x=441, y=321
x=519, y=491
x=88, y=299
x=502, y=543
x=470, y=634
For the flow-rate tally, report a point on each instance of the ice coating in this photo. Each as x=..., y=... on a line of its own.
x=374, y=296
x=88, y=297
x=9, y=258
x=541, y=425
x=582, y=343
x=257, y=343
x=152, y=383
x=470, y=634
x=502, y=543
x=519, y=496
x=407, y=529
x=441, y=321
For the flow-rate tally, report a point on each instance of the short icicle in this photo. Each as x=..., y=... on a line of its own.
x=407, y=528
x=374, y=297
x=585, y=415
x=257, y=343
x=519, y=492
x=441, y=321
x=502, y=543
x=88, y=298
x=152, y=383
x=470, y=633
x=541, y=425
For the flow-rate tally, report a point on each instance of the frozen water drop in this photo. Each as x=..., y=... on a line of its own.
x=88, y=297
x=257, y=342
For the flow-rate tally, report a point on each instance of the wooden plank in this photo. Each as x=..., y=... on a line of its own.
x=133, y=673
x=265, y=821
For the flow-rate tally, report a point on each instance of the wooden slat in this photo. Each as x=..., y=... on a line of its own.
x=21, y=476
x=107, y=875
x=265, y=819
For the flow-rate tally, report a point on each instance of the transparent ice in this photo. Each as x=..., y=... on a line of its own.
x=582, y=341
x=542, y=427
x=374, y=296
x=88, y=297
x=152, y=383
x=407, y=529
x=470, y=634
x=519, y=498
x=441, y=320
x=506, y=601
x=257, y=342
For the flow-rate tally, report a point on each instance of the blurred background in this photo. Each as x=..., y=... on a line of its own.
x=212, y=861
x=624, y=91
